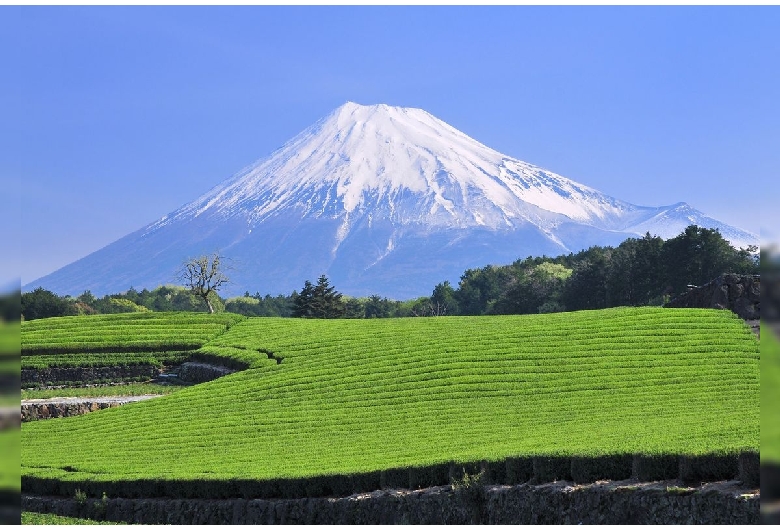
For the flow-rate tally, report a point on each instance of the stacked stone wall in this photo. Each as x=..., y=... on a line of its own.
x=43, y=409
x=40, y=377
x=557, y=503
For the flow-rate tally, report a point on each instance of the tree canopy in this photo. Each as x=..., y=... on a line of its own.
x=318, y=301
x=640, y=271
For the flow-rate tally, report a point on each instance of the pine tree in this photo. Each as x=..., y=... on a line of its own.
x=319, y=301
x=326, y=300
x=302, y=302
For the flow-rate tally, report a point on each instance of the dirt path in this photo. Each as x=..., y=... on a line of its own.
x=119, y=400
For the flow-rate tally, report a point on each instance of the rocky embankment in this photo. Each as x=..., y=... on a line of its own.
x=60, y=407
x=738, y=293
x=42, y=409
x=9, y=418
x=80, y=375
x=196, y=372
x=622, y=502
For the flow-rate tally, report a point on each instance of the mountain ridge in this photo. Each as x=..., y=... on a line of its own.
x=382, y=199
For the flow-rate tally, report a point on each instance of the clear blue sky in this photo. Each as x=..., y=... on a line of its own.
x=115, y=116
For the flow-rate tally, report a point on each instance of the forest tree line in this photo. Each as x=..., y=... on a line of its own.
x=639, y=271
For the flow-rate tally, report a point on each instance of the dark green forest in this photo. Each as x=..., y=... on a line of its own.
x=638, y=272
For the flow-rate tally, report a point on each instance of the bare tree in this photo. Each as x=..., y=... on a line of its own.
x=430, y=310
x=203, y=275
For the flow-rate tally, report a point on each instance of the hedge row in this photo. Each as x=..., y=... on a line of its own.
x=134, y=332
x=114, y=347
x=157, y=358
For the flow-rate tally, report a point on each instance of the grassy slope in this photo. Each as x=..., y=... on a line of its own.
x=101, y=332
x=9, y=349
x=9, y=438
x=130, y=338
x=366, y=395
x=770, y=396
x=9, y=463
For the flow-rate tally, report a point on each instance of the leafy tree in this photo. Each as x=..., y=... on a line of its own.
x=354, y=308
x=424, y=307
x=243, y=305
x=537, y=287
x=124, y=305
x=10, y=306
x=586, y=287
x=444, y=299
x=42, y=303
x=376, y=307
x=278, y=306
x=479, y=289
x=203, y=276
x=696, y=256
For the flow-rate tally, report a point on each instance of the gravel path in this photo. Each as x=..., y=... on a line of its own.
x=119, y=400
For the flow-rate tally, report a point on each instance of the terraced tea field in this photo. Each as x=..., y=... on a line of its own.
x=350, y=397
x=770, y=396
x=9, y=446
x=127, y=339
x=9, y=401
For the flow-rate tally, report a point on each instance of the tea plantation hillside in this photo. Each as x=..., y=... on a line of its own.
x=126, y=347
x=9, y=400
x=123, y=339
x=350, y=397
x=770, y=396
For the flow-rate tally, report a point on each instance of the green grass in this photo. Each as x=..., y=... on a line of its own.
x=770, y=396
x=118, y=340
x=9, y=400
x=9, y=348
x=129, y=332
x=365, y=395
x=66, y=360
x=9, y=463
x=51, y=519
x=10, y=366
x=9, y=338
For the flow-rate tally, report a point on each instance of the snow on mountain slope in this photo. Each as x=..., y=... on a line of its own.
x=407, y=166
x=382, y=199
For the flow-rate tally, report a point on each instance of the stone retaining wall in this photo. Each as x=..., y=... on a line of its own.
x=189, y=372
x=196, y=372
x=743, y=468
x=9, y=418
x=43, y=409
x=34, y=377
x=557, y=503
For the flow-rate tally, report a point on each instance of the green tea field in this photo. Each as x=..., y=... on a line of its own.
x=122, y=339
x=341, y=398
x=770, y=396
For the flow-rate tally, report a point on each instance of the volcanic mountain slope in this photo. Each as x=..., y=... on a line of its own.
x=382, y=199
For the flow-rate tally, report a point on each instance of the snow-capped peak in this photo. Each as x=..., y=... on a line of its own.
x=407, y=166
x=383, y=199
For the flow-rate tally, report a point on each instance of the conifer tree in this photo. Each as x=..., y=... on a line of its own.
x=319, y=301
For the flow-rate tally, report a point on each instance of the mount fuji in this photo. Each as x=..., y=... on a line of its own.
x=382, y=199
